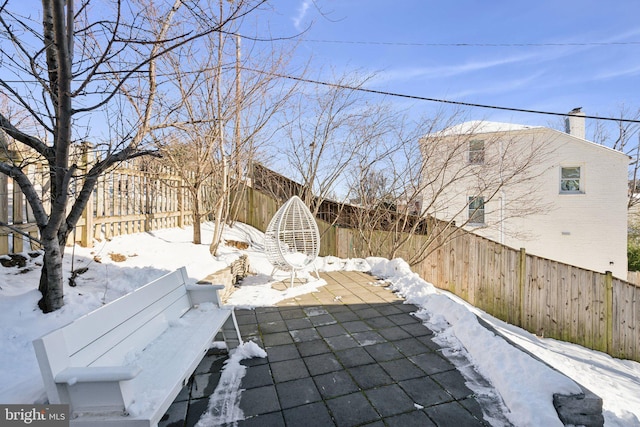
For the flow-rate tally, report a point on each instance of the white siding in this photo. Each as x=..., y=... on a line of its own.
x=588, y=230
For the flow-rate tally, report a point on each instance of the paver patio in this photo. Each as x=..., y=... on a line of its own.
x=351, y=354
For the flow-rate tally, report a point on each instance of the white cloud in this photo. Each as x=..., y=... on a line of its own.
x=506, y=85
x=631, y=70
x=411, y=73
x=621, y=37
x=302, y=13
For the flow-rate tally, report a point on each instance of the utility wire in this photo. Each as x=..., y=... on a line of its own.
x=368, y=42
x=400, y=95
x=442, y=101
x=452, y=44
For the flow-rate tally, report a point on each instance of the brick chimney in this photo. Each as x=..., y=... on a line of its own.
x=574, y=123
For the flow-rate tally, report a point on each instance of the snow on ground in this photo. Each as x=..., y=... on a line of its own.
x=224, y=403
x=118, y=266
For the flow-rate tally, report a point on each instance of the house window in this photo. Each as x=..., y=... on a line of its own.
x=476, y=152
x=476, y=210
x=570, y=180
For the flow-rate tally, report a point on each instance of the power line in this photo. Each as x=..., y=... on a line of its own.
x=382, y=43
x=442, y=101
x=415, y=97
x=451, y=44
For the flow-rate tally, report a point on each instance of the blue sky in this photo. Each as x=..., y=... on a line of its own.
x=560, y=54
x=571, y=53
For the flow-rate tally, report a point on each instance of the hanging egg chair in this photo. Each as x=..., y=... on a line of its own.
x=292, y=239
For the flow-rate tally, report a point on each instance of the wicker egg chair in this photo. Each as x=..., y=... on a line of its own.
x=292, y=239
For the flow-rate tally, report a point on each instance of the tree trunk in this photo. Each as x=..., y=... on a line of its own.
x=218, y=227
x=51, y=280
x=197, y=217
x=197, y=233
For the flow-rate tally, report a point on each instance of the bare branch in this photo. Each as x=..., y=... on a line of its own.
x=20, y=232
x=28, y=140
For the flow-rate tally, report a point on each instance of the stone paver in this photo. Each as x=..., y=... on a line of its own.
x=351, y=354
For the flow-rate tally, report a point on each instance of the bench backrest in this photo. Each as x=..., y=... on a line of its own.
x=114, y=332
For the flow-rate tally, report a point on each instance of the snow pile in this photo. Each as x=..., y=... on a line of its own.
x=224, y=403
x=458, y=329
x=256, y=291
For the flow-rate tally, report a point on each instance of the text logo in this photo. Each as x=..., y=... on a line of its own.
x=34, y=415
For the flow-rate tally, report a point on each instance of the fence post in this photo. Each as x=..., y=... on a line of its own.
x=18, y=218
x=522, y=279
x=334, y=240
x=608, y=281
x=86, y=237
x=180, y=191
x=4, y=213
x=250, y=208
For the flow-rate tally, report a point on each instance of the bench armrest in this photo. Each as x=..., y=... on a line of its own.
x=199, y=294
x=97, y=374
x=97, y=389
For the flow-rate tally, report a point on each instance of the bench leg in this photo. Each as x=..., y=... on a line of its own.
x=231, y=333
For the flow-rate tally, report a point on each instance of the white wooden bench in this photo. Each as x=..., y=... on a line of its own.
x=125, y=363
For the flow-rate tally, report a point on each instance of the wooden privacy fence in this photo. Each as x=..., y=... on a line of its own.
x=15, y=212
x=140, y=195
x=134, y=198
x=543, y=296
x=633, y=277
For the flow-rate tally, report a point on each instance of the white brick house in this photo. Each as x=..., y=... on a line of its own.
x=555, y=194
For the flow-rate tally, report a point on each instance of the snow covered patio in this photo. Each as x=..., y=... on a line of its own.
x=524, y=385
x=349, y=354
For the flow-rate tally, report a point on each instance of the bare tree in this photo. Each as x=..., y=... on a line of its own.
x=328, y=131
x=417, y=185
x=624, y=136
x=227, y=101
x=371, y=188
x=70, y=72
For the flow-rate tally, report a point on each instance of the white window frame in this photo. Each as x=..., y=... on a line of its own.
x=565, y=182
x=476, y=152
x=475, y=212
